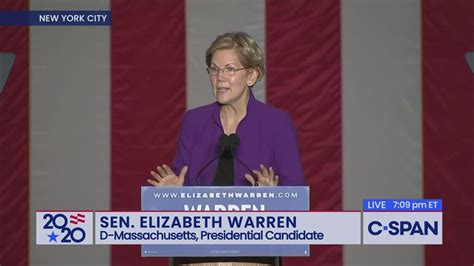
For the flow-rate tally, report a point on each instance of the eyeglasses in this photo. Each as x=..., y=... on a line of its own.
x=228, y=71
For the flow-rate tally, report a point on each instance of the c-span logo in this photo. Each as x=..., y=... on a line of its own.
x=413, y=228
x=64, y=227
x=422, y=228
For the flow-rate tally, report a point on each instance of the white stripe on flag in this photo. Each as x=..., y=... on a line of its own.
x=69, y=128
x=382, y=154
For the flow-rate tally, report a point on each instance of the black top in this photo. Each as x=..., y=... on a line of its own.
x=225, y=170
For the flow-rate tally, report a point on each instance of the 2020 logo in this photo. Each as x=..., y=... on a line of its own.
x=64, y=228
x=60, y=222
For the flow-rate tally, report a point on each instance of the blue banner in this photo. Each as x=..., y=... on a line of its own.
x=222, y=199
x=55, y=18
x=412, y=205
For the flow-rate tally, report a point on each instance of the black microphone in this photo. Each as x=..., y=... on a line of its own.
x=223, y=145
x=234, y=143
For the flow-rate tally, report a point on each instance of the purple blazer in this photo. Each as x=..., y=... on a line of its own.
x=267, y=136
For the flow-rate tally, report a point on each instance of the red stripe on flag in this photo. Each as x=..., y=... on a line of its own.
x=14, y=145
x=148, y=100
x=304, y=78
x=448, y=128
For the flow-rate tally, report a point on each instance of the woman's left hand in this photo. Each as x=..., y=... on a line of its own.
x=264, y=177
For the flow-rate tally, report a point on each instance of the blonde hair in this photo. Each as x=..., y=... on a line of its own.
x=247, y=50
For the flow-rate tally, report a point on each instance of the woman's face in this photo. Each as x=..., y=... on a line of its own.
x=229, y=89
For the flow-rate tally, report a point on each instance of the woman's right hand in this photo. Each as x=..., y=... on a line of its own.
x=164, y=176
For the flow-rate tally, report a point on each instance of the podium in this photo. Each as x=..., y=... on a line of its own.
x=282, y=198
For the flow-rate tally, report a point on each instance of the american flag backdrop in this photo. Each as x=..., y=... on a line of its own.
x=381, y=97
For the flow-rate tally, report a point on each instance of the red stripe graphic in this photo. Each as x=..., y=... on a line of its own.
x=304, y=78
x=14, y=143
x=148, y=100
x=75, y=219
x=448, y=128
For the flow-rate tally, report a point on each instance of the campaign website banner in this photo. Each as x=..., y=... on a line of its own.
x=402, y=221
x=223, y=199
x=234, y=228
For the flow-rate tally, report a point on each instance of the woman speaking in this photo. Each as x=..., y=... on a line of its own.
x=237, y=140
